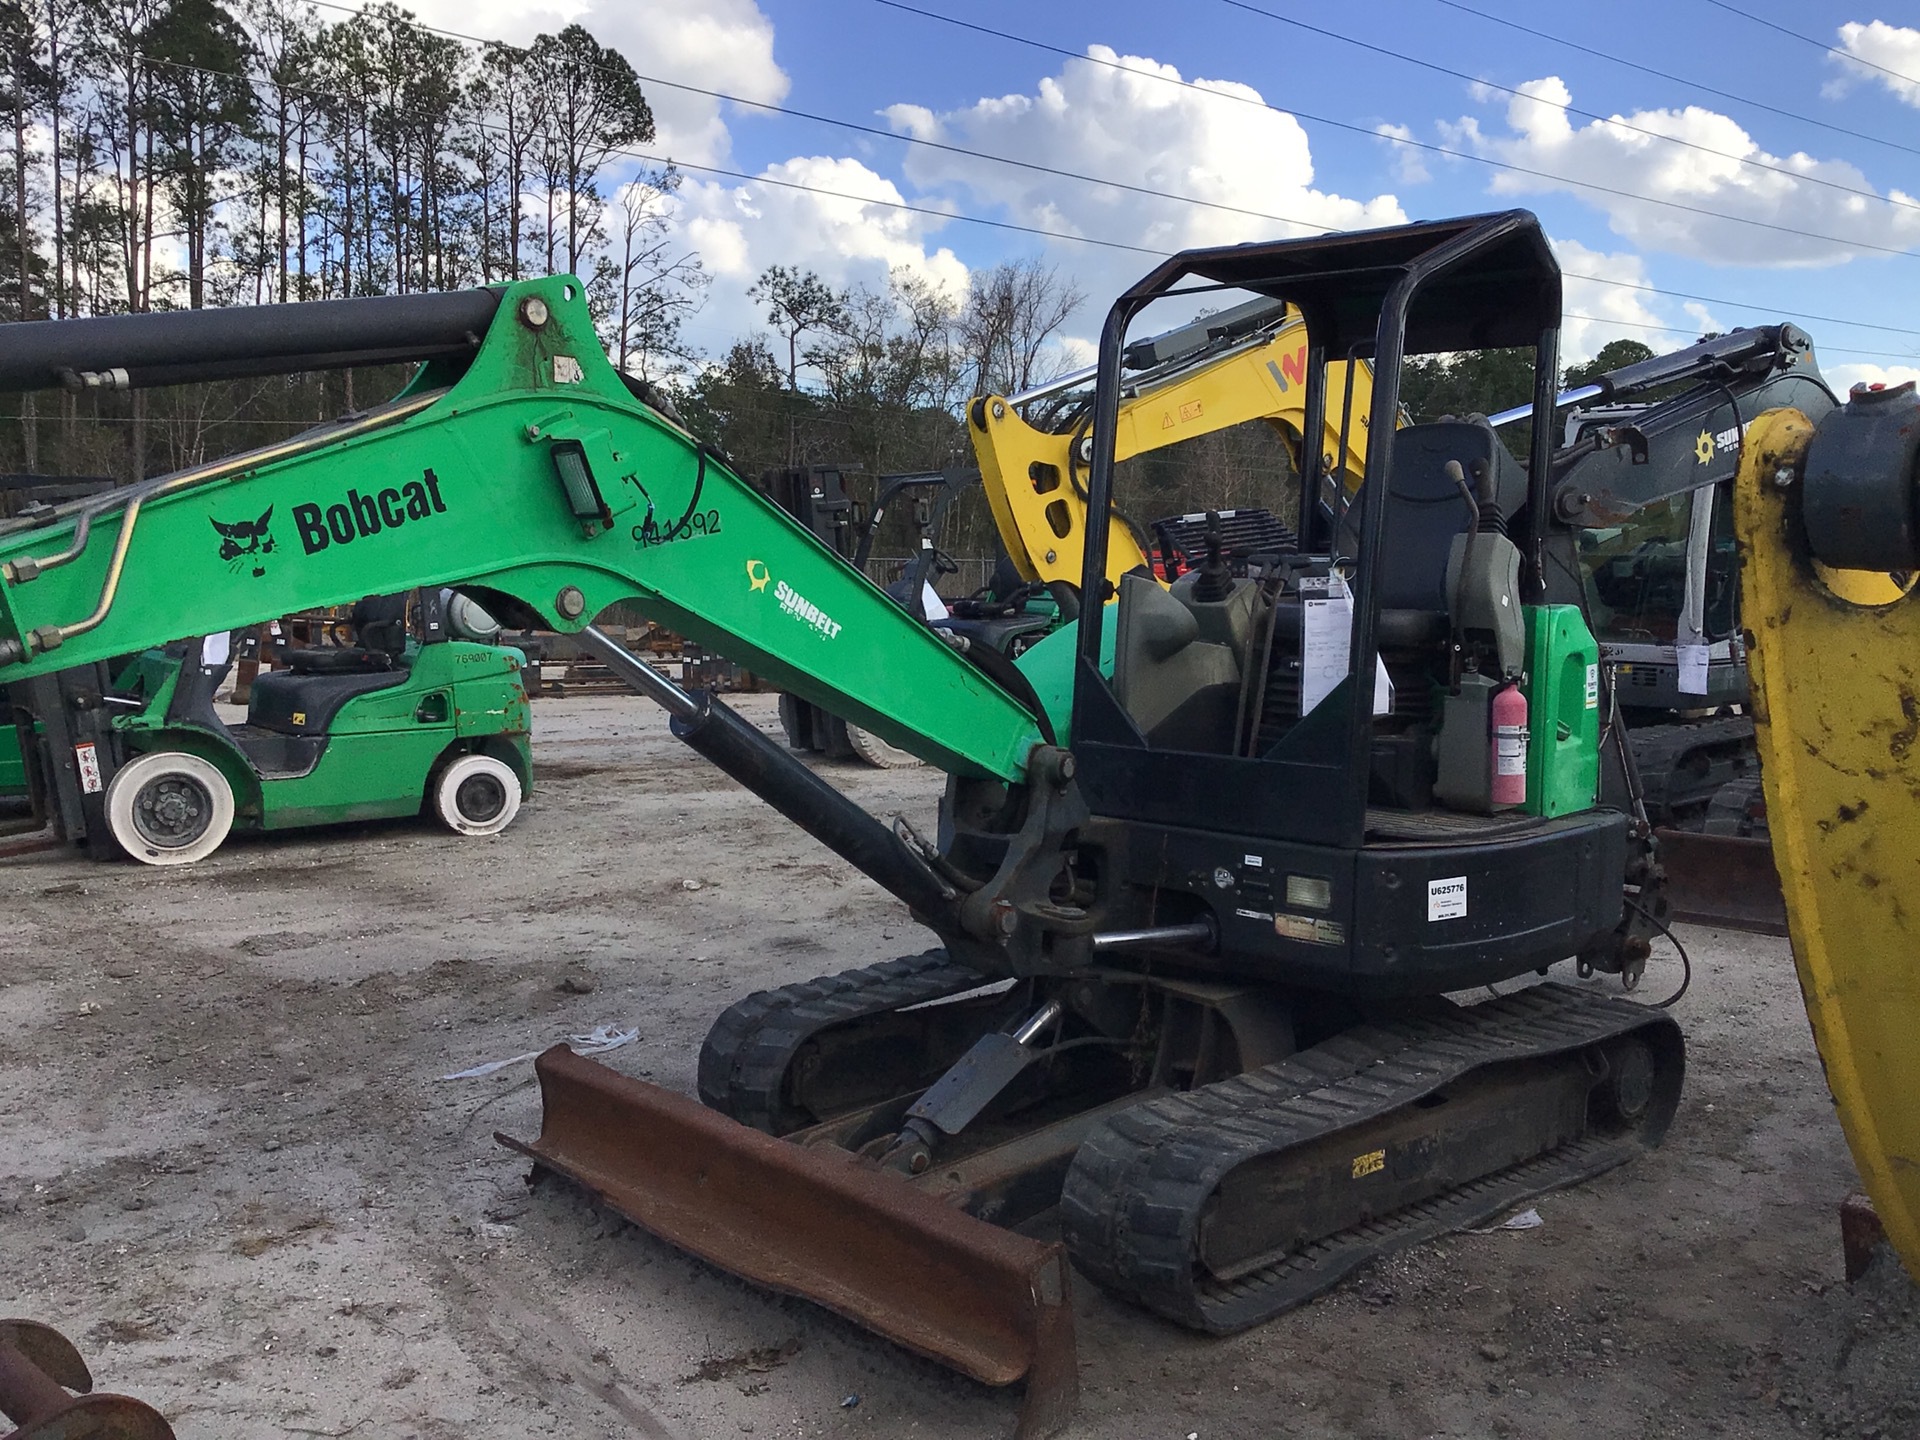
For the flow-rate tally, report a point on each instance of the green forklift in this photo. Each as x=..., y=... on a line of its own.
x=423, y=713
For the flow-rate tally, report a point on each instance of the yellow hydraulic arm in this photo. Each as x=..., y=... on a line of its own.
x=1034, y=476
x=1835, y=660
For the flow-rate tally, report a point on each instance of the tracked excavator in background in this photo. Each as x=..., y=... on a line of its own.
x=1199, y=896
x=1219, y=371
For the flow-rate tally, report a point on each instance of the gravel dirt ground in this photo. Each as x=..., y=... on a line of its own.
x=229, y=1170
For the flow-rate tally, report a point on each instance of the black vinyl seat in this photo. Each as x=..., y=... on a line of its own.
x=1425, y=511
x=290, y=703
x=337, y=660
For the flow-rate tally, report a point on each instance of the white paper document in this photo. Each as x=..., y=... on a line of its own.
x=1326, y=635
x=1693, y=669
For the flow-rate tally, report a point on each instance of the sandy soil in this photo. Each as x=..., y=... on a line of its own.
x=229, y=1170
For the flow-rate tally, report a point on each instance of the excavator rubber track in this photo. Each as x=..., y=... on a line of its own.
x=1149, y=1184
x=751, y=1049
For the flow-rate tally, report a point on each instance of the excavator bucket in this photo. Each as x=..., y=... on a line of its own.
x=818, y=1223
x=1723, y=880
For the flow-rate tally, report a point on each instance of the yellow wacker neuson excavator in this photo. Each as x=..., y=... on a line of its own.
x=1216, y=864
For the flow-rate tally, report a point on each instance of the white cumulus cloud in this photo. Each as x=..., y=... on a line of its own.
x=720, y=45
x=1596, y=312
x=1409, y=161
x=1880, y=53
x=829, y=214
x=1844, y=377
x=1627, y=172
x=1163, y=142
x=1117, y=118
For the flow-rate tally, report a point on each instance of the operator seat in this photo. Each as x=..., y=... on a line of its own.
x=304, y=699
x=1425, y=511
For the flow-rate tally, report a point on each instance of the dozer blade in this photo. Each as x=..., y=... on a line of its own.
x=817, y=1223
x=1723, y=880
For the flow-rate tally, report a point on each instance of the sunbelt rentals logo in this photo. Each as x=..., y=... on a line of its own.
x=791, y=601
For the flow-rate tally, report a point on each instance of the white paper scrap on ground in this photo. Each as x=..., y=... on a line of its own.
x=1525, y=1220
x=595, y=1042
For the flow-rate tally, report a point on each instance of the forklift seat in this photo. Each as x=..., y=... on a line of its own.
x=290, y=703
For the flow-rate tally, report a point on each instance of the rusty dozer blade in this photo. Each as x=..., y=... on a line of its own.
x=1722, y=880
x=820, y=1224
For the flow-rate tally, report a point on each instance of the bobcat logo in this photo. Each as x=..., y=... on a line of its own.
x=246, y=541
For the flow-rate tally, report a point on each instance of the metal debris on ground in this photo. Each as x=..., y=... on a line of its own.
x=38, y=1367
x=594, y=1042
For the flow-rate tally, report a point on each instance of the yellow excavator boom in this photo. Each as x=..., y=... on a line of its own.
x=1834, y=658
x=1034, y=476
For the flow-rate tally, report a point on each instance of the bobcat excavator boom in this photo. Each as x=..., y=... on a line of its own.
x=1189, y=992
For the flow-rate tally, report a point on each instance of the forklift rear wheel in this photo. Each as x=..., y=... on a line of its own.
x=168, y=808
x=477, y=795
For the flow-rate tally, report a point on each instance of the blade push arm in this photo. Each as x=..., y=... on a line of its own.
x=526, y=471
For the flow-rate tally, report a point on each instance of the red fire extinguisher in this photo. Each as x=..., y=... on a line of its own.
x=1509, y=747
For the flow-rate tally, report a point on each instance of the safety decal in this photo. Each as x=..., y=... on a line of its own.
x=1447, y=899
x=246, y=542
x=87, y=756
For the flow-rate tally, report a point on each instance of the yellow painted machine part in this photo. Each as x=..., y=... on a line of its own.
x=1044, y=529
x=1836, y=698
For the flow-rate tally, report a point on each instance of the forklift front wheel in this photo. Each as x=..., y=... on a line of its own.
x=169, y=808
x=477, y=795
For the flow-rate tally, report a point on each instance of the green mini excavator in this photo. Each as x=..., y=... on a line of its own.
x=1214, y=862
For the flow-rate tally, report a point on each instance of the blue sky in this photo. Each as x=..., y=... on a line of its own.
x=1273, y=119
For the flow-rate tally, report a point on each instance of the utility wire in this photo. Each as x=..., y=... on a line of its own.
x=1699, y=85
x=1168, y=254
x=1809, y=40
x=1108, y=183
x=1612, y=122
x=1430, y=147
x=954, y=215
x=1101, y=181
x=1185, y=84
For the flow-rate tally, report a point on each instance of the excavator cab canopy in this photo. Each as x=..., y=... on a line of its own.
x=1480, y=282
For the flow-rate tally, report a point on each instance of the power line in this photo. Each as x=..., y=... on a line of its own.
x=1400, y=140
x=1609, y=121
x=895, y=204
x=1089, y=179
x=1809, y=40
x=1158, y=194
x=1168, y=254
x=1040, y=232
x=1189, y=199
x=1216, y=205
x=1699, y=85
